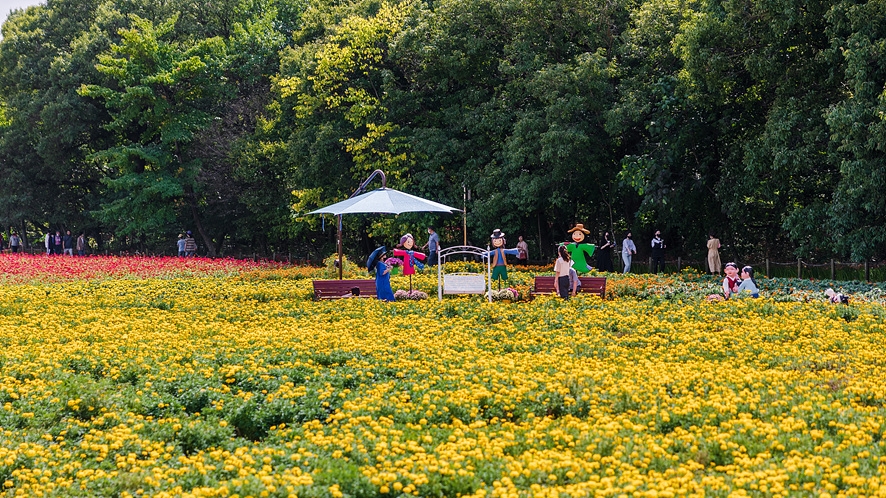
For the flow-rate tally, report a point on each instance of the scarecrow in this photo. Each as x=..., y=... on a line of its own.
x=579, y=250
x=411, y=259
x=499, y=256
x=376, y=262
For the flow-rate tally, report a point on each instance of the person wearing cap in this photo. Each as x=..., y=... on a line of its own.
x=579, y=250
x=382, y=271
x=730, y=283
x=181, y=245
x=499, y=256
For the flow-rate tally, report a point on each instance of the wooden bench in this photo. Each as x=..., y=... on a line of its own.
x=592, y=285
x=336, y=289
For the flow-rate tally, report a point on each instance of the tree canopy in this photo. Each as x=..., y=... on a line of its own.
x=763, y=123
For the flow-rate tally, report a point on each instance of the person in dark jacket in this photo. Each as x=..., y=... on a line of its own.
x=658, y=247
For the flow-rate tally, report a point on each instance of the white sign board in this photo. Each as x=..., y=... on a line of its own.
x=464, y=284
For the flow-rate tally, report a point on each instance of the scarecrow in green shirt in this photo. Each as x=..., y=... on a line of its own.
x=579, y=250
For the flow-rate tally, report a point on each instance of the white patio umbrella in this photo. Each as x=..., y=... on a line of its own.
x=386, y=201
x=383, y=200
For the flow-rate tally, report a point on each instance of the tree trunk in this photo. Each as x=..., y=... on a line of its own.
x=192, y=202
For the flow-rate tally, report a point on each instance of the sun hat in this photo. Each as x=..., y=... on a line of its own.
x=581, y=227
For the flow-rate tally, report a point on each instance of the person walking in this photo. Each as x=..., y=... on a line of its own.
x=658, y=247
x=522, y=251
x=180, y=243
x=190, y=245
x=628, y=250
x=47, y=241
x=433, y=246
x=604, y=253
x=81, y=244
x=15, y=242
x=714, y=254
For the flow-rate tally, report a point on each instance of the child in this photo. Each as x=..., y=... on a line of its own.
x=836, y=297
x=748, y=283
x=730, y=283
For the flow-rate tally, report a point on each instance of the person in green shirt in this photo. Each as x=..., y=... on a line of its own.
x=579, y=250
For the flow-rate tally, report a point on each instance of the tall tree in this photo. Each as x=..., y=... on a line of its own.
x=46, y=52
x=166, y=93
x=857, y=215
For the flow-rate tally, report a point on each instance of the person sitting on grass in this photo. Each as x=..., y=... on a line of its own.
x=748, y=284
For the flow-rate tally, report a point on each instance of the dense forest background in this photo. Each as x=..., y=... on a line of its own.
x=761, y=121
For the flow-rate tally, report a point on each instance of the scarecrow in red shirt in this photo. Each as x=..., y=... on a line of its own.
x=411, y=259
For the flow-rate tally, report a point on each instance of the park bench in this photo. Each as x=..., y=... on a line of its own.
x=335, y=289
x=593, y=285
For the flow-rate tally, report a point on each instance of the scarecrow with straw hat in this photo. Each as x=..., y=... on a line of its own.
x=579, y=250
x=376, y=262
x=499, y=256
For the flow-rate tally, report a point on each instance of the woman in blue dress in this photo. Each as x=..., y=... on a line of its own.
x=382, y=274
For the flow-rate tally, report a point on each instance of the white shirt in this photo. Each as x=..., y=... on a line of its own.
x=561, y=267
x=628, y=247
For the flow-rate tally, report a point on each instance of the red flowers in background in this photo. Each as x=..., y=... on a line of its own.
x=28, y=268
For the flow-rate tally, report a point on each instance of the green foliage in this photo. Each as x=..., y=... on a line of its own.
x=759, y=122
x=330, y=265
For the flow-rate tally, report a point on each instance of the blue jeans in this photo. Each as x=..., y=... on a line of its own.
x=626, y=257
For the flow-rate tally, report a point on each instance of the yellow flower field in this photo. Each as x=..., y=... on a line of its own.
x=243, y=386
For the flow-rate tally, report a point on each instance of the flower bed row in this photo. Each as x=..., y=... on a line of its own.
x=207, y=386
x=673, y=287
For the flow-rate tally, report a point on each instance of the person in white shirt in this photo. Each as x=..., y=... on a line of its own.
x=561, y=273
x=628, y=250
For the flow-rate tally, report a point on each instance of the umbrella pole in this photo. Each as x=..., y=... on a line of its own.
x=340, y=263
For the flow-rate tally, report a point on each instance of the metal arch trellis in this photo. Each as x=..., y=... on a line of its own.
x=444, y=254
